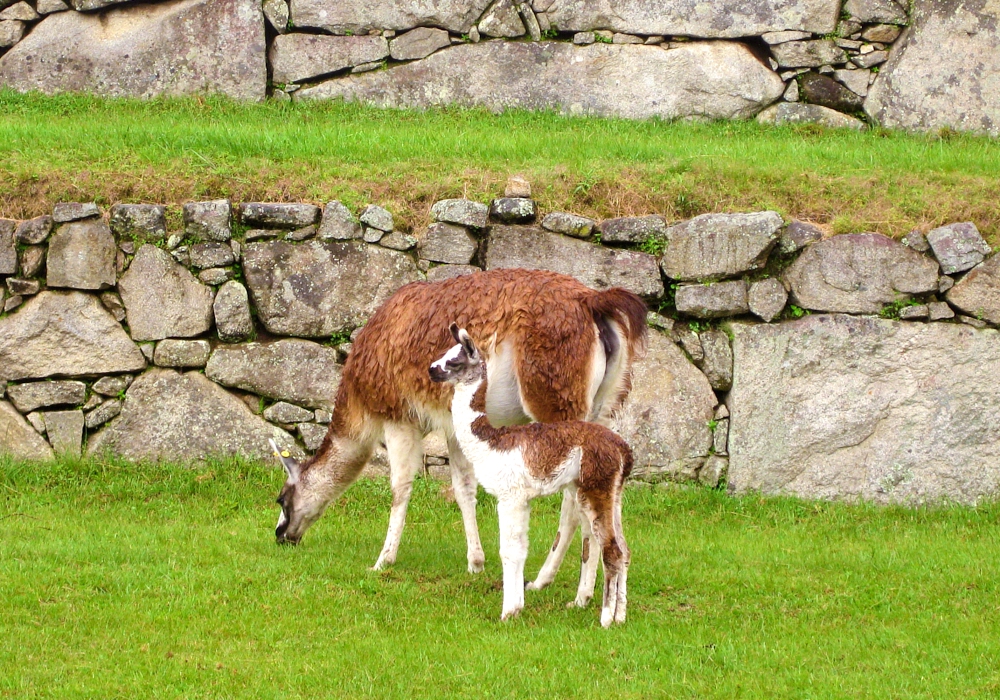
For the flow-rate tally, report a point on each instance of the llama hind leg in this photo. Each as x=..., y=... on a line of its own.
x=589, y=557
x=513, y=515
x=405, y=457
x=569, y=520
x=623, y=574
x=463, y=480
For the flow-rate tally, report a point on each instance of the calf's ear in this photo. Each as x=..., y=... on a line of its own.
x=467, y=343
x=455, y=332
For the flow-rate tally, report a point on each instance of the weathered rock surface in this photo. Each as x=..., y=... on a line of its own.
x=173, y=48
x=463, y=212
x=824, y=408
x=33, y=231
x=398, y=241
x=296, y=57
x=377, y=217
x=359, y=16
x=632, y=229
x=446, y=272
x=418, y=43
x=181, y=353
x=717, y=80
x=797, y=235
x=277, y=13
x=65, y=431
x=338, y=223
x=316, y=289
x=163, y=299
x=81, y=256
x=8, y=248
x=61, y=334
x=665, y=418
x=21, y=287
x=715, y=300
x=33, y=395
x=808, y=54
x=534, y=249
x=800, y=113
x=31, y=259
x=859, y=273
x=209, y=221
x=47, y=7
x=232, y=313
x=568, y=224
x=888, y=11
x=820, y=89
x=64, y=212
x=717, y=363
x=957, y=247
x=312, y=435
x=280, y=214
x=112, y=386
x=502, y=20
x=767, y=298
x=446, y=243
x=297, y=371
x=284, y=412
x=943, y=71
x=205, y=255
x=513, y=210
x=712, y=246
x=102, y=413
x=142, y=222
x=18, y=439
x=172, y=416
x=978, y=293
x=692, y=18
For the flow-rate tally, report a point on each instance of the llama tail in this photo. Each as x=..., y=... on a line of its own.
x=627, y=310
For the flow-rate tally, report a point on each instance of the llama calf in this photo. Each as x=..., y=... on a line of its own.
x=520, y=463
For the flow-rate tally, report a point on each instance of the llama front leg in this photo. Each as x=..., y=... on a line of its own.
x=569, y=520
x=463, y=480
x=402, y=442
x=513, y=515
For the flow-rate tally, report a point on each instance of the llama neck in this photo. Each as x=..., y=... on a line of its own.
x=465, y=410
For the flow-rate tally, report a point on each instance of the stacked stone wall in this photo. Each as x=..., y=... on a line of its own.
x=781, y=359
x=844, y=64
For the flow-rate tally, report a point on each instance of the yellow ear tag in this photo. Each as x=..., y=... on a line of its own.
x=285, y=453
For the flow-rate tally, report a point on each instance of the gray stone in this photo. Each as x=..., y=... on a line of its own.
x=513, y=210
x=883, y=33
x=8, y=248
x=148, y=350
x=48, y=7
x=530, y=22
x=945, y=283
x=978, y=293
x=65, y=431
x=360, y=16
x=31, y=260
x=209, y=221
x=34, y=231
x=277, y=13
x=169, y=48
x=141, y=222
x=713, y=471
x=713, y=246
x=338, y=223
x=870, y=60
x=502, y=20
x=784, y=36
x=958, y=247
x=632, y=229
x=710, y=80
x=316, y=289
x=720, y=436
x=185, y=417
x=64, y=212
x=163, y=299
x=18, y=439
x=660, y=322
x=278, y=215
x=205, y=255
x=284, y=412
x=532, y=248
x=323, y=417
x=446, y=272
x=113, y=303
x=584, y=38
x=112, y=386
x=715, y=300
x=939, y=310
x=855, y=80
x=372, y=235
x=823, y=90
x=517, y=186
x=21, y=11
x=917, y=240
x=312, y=435
x=182, y=353
x=737, y=19
x=792, y=92
x=37, y=421
x=64, y=333
x=801, y=113
x=293, y=370
x=81, y=256
x=914, y=313
x=620, y=38
x=797, y=235
x=463, y=212
x=257, y=234
x=808, y=54
x=767, y=298
x=11, y=32
x=717, y=363
x=665, y=418
x=398, y=241
x=214, y=276
x=418, y=43
x=25, y=288
x=974, y=322
x=302, y=234
x=34, y=395
x=568, y=224
x=297, y=57
x=11, y=303
x=93, y=401
x=447, y=243
x=102, y=414
x=824, y=408
x=859, y=273
x=885, y=11
x=377, y=217
x=232, y=313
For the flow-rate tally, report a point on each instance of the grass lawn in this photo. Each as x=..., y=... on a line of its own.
x=123, y=582
x=72, y=148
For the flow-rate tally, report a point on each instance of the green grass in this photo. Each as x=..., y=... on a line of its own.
x=82, y=148
x=120, y=582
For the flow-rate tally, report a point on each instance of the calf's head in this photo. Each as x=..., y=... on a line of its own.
x=461, y=364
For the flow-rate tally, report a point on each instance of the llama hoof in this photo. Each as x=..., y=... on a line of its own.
x=476, y=567
x=607, y=617
x=579, y=603
x=508, y=614
x=381, y=564
x=535, y=585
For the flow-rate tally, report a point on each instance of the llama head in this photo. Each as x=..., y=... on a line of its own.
x=461, y=364
x=297, y=511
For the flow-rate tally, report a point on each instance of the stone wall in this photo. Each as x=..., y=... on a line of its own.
x=785, y=61
x=780, y=359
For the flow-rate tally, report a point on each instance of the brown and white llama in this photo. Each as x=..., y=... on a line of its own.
x=519, y=463
x=557, y=350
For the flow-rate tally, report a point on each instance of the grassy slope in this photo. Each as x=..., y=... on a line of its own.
x=79, y=148
x=157, y=582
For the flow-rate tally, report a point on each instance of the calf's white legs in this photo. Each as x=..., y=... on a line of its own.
x=463, y=480
x=590, y=554
x=402, y=442
x=569, y=519
x=513, y=515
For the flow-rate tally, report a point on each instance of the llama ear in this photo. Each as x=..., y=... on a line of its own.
x=466, y=340
x=291, y=466
x=455, y=332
